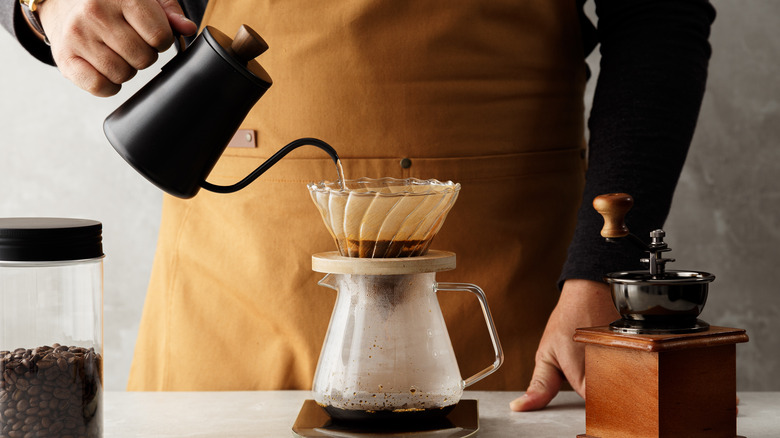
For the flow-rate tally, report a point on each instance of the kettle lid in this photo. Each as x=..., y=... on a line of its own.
x=240, y=52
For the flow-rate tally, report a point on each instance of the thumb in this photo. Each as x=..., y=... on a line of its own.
x=545, y=384
x=176, y=18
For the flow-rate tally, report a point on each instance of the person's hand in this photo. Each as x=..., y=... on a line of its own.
x=100, y=44
x=583, y=303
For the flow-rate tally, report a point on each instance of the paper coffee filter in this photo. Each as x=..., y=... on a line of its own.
x=384, y=217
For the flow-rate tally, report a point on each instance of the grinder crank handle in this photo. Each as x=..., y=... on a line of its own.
x=476, y=290
x=613, y=208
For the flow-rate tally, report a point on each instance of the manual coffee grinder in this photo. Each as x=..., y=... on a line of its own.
x=387, y=366
x=658, y=371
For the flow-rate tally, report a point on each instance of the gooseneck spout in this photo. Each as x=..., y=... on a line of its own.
x=270, y=162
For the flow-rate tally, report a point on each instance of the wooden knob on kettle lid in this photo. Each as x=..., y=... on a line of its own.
x=247, y=45
x=613, y=207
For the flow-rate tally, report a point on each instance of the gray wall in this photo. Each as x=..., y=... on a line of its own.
x=726, y=212
x=54, y=161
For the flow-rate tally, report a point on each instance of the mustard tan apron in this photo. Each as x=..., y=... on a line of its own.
x=484, y=93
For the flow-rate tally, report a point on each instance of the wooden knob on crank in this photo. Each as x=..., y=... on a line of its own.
x=613, y=207
x=247, y=45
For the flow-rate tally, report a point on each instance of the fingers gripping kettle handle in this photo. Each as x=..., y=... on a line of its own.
x=476, y=290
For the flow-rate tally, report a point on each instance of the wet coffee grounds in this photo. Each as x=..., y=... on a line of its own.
x=384, y=248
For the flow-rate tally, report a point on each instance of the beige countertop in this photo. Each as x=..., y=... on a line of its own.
x=272, y=414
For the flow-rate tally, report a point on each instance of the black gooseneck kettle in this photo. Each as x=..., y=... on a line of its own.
x=175, y=128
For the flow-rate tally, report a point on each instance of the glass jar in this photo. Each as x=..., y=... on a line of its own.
x=51, y=342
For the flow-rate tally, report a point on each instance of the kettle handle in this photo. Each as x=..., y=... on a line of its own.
x=270, y=162
x=476, y=290
x=179, y=41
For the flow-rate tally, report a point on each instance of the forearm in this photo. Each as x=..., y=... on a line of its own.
x=650, y=87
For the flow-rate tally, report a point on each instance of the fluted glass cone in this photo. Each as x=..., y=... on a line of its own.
x=384, y=217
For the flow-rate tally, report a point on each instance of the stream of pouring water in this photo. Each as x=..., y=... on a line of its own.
x=340, y=170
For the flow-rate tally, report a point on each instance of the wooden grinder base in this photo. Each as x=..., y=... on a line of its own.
x=641, y=386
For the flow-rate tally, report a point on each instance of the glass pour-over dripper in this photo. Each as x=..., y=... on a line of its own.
x=384, y=217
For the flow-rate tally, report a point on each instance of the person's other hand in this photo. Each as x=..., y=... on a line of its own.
x=100, y=44
x=583, y=303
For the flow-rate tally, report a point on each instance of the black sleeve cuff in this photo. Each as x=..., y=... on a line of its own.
x=28, y=39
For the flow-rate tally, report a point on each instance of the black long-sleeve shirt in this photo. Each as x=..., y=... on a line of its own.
x=654, y=59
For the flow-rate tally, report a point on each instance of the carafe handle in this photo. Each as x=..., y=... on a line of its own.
x=476, y=290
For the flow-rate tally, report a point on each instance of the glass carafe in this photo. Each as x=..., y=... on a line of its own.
x=387, y=353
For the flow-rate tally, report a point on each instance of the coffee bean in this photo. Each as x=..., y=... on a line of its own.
x=64, y=381
x=45, y=364
x=52, y=373
x=56, y=427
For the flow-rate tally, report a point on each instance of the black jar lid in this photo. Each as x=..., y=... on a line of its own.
x=38, y=239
